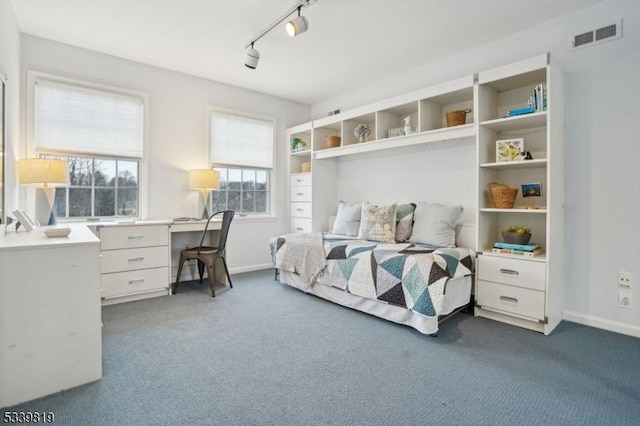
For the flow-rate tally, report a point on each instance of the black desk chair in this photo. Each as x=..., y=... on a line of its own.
x=207, y=255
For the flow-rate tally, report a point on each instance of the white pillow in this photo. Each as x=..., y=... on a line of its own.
x=378, y=223
x=435, y=224
x=347, y=219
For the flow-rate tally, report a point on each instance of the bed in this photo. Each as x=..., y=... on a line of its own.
x=408, y=282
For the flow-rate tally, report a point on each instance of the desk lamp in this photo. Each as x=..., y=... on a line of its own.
x=46, y=174
x=204, y=180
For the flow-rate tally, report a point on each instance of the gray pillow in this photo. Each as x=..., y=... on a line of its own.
x=347, y=219
x=435, y=224
x=404, y=221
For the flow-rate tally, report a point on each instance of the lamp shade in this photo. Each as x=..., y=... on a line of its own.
x=43, y=172
x=204, y=179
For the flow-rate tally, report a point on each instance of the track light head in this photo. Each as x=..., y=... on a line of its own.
x=297, y=26
x=253, y=56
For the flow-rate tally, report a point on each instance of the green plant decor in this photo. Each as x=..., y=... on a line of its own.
x=518, y=230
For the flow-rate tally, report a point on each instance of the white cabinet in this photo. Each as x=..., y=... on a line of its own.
x=50, y=317
x=522, y=291
x=134, y=262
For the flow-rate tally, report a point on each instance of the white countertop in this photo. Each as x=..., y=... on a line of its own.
x=80, y=235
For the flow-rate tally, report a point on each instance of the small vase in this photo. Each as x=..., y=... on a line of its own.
x=515, y=238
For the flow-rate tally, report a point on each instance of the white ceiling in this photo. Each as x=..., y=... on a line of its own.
x=350, y=43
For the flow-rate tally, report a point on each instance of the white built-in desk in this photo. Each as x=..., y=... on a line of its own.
x=50, y=321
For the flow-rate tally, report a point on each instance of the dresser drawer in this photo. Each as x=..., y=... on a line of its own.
x=515, y=300
x=134, y=259
x=300, y=193
x=124, y=283
x=301, y=209
x=118, y=237
x=300, y=225
x=300, y=179
x=518, y=272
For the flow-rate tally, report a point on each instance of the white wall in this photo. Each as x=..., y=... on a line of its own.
x=177, y=142
x=603, y=147
x=10, y=63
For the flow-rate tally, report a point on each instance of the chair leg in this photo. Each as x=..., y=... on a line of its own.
x=174, y=287
x=200, y=269
x=226, y=271
x=211, y=277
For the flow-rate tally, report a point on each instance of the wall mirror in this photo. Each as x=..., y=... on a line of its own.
x=3, y=82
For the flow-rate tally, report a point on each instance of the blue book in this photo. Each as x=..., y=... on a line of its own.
x=523, y=247
x=520, y=111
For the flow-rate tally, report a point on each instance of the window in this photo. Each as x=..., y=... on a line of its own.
x=100, y=132
x=242, y=151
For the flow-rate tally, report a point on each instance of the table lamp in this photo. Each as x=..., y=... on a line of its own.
x=46, y=174
x=204, y=180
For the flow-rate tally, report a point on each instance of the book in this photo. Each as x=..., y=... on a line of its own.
x=522, y=247
x=522, y=253
x=521, y=111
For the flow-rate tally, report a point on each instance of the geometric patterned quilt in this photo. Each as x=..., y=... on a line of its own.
x=402, y=274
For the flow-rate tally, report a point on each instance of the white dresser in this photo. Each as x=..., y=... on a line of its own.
x=50, y=320
x=300, y=202
x=134, y=261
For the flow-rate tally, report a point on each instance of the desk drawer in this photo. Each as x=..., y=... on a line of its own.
x=118, y=237
x=515, y=300
x=300, y=179
x=124, y=283
x=299, y=225
x=134, y=259
x=300, y=193
x=521, y=273
x=301, y=209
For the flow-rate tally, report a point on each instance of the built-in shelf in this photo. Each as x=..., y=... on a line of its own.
x=302, y=153
x=519, y=122
x=541, y=257
x=515, y=210
x=510, y=165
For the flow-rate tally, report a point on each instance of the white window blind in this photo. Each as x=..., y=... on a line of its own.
x=241, y=141
x=72, y=118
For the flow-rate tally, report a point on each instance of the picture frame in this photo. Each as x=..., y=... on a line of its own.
x=531, y=190
x=23, y=218
x=510, y=150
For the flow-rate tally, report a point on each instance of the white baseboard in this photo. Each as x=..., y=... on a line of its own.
x=250, y=268
x=616, y=327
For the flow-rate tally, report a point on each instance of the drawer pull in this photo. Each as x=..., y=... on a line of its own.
x=299, y=229
x=135, y=237
x=508, y=299
x=136, y=259
x=138, y=281
x=300, y=193
x=299, y=210
x=509, y=272
x=299, y=180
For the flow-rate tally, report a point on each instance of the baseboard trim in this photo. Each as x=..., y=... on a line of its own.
x=616, y=327
x=251, y=268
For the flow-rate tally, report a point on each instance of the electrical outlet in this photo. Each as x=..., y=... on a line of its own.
x=624, y=299
x=624, y=279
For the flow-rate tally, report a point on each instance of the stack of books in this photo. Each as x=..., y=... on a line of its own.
x=537, y=102
x=523, y=250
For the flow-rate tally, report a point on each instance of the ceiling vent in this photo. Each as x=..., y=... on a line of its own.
x=597, y=36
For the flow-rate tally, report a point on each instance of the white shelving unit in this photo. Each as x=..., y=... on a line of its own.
x=506, y=289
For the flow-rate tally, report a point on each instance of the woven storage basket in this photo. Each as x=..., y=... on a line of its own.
x=306, y=167
x=502, y=196
x=332, y=141
x=456, y=118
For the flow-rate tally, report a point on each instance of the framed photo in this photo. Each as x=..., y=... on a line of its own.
x=24, y=219
x=531, y=190
x=509, y=150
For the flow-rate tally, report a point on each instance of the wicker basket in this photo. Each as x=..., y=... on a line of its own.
x=332, y=141
x=502, y=196
x=456, y=118
x=305, y=167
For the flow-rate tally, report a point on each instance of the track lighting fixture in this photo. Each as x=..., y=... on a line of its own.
x=253, y=56
x=297, y=25
x=294, y=27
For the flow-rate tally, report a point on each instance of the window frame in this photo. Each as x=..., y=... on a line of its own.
x=271, y=173
x=143, y=192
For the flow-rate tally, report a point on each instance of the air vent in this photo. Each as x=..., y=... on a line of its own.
x=593, y=37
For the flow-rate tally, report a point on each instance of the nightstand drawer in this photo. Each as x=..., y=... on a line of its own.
x=300, y=225
x=521, y=273
x=125, y=283
x=300, y=179
x=118, y=237
x=300, y=209
x=300, y=193
x=515, y=300
x=134, y=259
